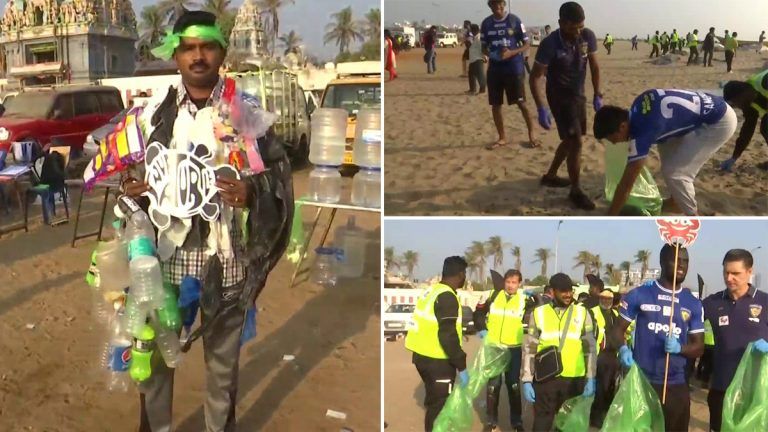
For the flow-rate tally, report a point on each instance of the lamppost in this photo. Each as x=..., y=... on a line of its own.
x=557, y=244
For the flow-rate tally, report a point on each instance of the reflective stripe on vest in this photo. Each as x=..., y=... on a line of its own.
x=505, y=319
x=422, y=337
x=600, y=323
x=693, y=41
x=550, y=325
x=756, y=81
x=709, y=336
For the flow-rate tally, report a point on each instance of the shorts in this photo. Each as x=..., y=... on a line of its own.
x=570, y=114
x=501, y=82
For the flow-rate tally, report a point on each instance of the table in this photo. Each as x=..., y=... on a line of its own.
x=320, y=207
x=107, y=185
x=12, y=175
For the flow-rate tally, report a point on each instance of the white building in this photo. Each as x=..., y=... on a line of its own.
x=247, y=38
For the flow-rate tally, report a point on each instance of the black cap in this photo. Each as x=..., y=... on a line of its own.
x=595, y=281
x=561, y=282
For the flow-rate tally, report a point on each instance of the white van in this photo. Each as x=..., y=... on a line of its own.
x=447, y=40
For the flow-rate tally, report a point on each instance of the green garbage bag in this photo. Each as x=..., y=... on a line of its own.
x=296, y=242
x=636, y=406
x=745, y=407
x=457, y=413
x=645, y=198
x=573, y=415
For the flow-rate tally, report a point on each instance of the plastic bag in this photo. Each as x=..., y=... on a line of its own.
x=745, y=407
x=645, y=198
x=457, y=413
x=573, y=415
x=636, y=406
x=296, y=242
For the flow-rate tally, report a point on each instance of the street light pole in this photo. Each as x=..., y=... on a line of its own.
x=557, y=244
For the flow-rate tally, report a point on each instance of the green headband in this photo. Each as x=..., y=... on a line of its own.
x=171, y=41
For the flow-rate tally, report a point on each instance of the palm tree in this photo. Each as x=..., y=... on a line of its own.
x=596, y=264
x=624, y=266
x=516, y=253
x=344, y=30
x=410, y=260
x=373, y=24
x=642, y=258
x=224, y=12
x=290, y=41
x=390, y=260
x=477, y=252
x=586, y=259
x=542, y=255
x=609, y=269
x=152, y=30
x=272, y=9
x=494, y=247
x=472, y=267
x=173, y=9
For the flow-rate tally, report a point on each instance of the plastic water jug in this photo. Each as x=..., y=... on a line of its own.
x=329, y=135
x=366, y=188
x=367, y=146
x=352, y=241
x=325, y=184
x=324, y=272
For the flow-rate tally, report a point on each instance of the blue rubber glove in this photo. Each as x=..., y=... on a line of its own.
x=625, y=356
x=672, y=345
x=463, y=378
x=727, y=165
x=528, y=392
x=545, y=118
x=528, y=292
x=589, y=389
x=482, y=334
x=597, y=102
x=761, y=345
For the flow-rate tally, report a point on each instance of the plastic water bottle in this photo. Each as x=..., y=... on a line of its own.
x=118, y=354
x=367, y=146
x=147, y=281
x=167, y=342
x=329, y=134
x=140, y=236
x=169, y=315
x=141, y=354
x=353, y=242
x=135, y=316
x=325, y=184
x=324, y=270
x=366, y=188
x=112, y=264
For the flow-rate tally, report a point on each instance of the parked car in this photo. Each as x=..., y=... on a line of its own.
x=467, y=322
x=63, y=115
x=397, y=319
x=447, y=40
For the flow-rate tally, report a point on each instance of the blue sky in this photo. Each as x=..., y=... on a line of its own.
x=308, y=18
x=622, y=18
x=614, y=240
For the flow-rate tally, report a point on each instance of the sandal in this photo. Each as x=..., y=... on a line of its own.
x=557, y=182
x=581, y=200
x=497, y=144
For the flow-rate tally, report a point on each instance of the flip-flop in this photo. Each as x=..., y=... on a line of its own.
x=497, y=144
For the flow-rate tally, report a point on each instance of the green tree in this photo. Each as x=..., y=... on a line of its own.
x=517, y=254
x=290, y=41
x=390, y=260
x=472, y=267
x=373, y=25
x=542, y=255
x=173, y=9
x=410, y=260
x=596, y=265
x=272, y=9
x=625, y=265
x=539, y=280
x=343, y=31
x=586, y=259
x=152, y=30
x=477, y=252
x=494, y=248
x=224, y=12
x=642, y=257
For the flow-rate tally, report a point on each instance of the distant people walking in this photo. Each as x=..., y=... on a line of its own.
x=731, y=44
x=760, y=42
x=608, y=42
x=466, y=42
x=655, y=44
x=430, y=56
x=709, y=47
x=693, y=46
x=391, y=61
x=634, y=43
x=477, y=62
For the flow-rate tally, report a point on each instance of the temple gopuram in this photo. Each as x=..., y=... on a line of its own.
x=44, y=42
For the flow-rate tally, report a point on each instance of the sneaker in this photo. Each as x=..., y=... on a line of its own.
x=581, y=200
x=557, y=182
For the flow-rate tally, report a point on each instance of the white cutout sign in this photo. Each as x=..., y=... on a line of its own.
x=182, y=184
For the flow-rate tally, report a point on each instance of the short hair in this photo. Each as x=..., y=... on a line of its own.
x=711, y=29
x=735, y=34
x=734, y=89
x=387, y=33
x=549, y=26
x=190, y=18
x=607, y=120
x=572, y=12
x=742, y=255
x=475, y=28
x=513, y=272
x=454, y=266
x=582, y=296
x=668, y=251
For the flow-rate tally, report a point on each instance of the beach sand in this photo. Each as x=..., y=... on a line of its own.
x=435, y=163
x=48, y=373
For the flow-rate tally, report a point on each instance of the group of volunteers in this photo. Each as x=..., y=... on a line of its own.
x=687, y=127
x=560, y=348
x=673, y=43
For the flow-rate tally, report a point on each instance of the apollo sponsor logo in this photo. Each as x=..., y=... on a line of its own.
x=650, y=307
x=663, y=328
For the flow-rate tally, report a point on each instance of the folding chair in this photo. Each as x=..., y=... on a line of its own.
x=46, y=184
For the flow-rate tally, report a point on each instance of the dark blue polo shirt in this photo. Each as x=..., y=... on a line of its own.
x=734, y=324
x=508, y=32
x=566, y=62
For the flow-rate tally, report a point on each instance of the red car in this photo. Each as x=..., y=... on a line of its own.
x=64, y=115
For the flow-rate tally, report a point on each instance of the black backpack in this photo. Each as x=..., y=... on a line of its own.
x=50, y=169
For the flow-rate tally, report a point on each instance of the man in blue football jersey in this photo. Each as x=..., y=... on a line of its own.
x=505, y=41
x=688, y=128
x=649, y=306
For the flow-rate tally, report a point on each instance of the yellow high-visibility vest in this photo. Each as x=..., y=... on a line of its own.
x=551, y=328
x=505, y=319
x=600, y=323
x=422, y=336
x=757, y=83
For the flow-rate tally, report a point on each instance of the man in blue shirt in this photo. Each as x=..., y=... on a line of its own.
x=739, y=315
x=505, y=41
x=562, y=57
x=688, y=127
x=650, y=306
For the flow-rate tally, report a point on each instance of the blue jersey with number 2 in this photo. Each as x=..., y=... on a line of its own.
x=660, y=114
